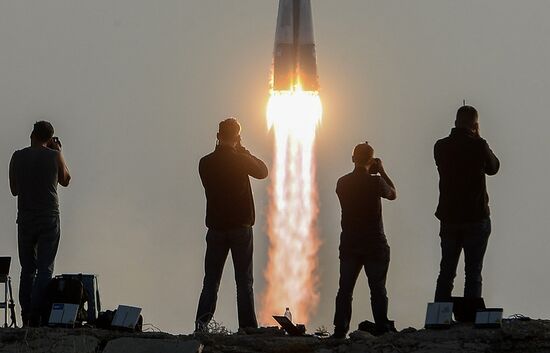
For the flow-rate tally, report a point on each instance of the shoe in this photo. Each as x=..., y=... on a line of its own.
x=377, y=329
x=337, y=336
x=368, y=326
x=389, y=326
x=200, y=328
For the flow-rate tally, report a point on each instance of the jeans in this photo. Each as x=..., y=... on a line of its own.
x=472, y=238
x=218, y=245
x=38, y=240
x=376, y=265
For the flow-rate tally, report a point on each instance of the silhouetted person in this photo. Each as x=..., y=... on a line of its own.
x=363, y=243
x=463, y=158
x=34, y=174
x=229, y=218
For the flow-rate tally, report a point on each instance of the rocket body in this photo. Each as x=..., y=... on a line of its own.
x=294, y=60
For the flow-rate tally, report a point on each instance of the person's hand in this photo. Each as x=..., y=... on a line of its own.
x=240, y=148
x=376, y=166
x=380, y=165
x=55, y=144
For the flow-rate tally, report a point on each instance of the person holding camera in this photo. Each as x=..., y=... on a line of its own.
x=229, y=217
x=34, y=173
x=363, y=243
x=463, y=159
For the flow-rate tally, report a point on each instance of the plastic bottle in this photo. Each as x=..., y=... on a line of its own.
x=288, y=314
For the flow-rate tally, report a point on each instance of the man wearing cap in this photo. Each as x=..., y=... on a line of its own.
x=363, y=243
x=463, y=159
x=34, y=174
x=229, y=217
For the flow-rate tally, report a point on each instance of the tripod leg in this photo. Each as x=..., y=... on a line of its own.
x=6, y=303
x=13, y=317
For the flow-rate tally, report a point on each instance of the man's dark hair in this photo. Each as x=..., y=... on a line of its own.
x=42, y=131
x=362, y=153
x=229, y=127
x=466, y=117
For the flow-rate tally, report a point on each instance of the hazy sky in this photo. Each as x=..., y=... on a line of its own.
x=135, y=89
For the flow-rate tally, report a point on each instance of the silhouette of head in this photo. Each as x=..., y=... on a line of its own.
x=229, y=132
x=42, y=132
x=362, y=154
x=466, y=118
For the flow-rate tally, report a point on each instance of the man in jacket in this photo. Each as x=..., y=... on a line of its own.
x=363, y=243
x=229, y=217
x=463, y=159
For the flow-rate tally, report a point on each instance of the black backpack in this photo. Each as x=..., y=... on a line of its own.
x=65, y=290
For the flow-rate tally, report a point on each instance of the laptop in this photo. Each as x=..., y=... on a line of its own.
x=126, y=317
x=63, y=314
x=289, y=327
x=439, y=315
x=489, y=318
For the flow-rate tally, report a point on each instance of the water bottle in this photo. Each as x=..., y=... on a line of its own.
x=288, y=314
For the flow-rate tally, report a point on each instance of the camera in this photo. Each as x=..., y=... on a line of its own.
x=374, y=168
x=55, y=143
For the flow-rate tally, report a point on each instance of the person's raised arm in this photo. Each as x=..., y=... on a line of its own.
x=255, y=167
x=63, y=175
x=387, y=187
x=492, y=164
x=13, y=181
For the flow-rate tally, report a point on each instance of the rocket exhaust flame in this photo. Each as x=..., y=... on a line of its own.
x=291, y=272
x=293, y=113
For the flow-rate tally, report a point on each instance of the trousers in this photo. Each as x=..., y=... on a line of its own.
x=472, y=238
x=218, y=245
x=38, y=241
x=375, y=264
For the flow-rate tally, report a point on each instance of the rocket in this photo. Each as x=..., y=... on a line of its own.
x=294, y=60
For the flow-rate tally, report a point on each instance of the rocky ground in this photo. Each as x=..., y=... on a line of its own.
x=514, y=336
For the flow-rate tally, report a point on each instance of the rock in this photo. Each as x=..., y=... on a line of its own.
x=63, y=344
x=525, y=337
x=476, y=347
x=272, y=330
x=324, y=350
x=408, y=330
x=342, y=348
x=144, y=345
x=361, y=335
